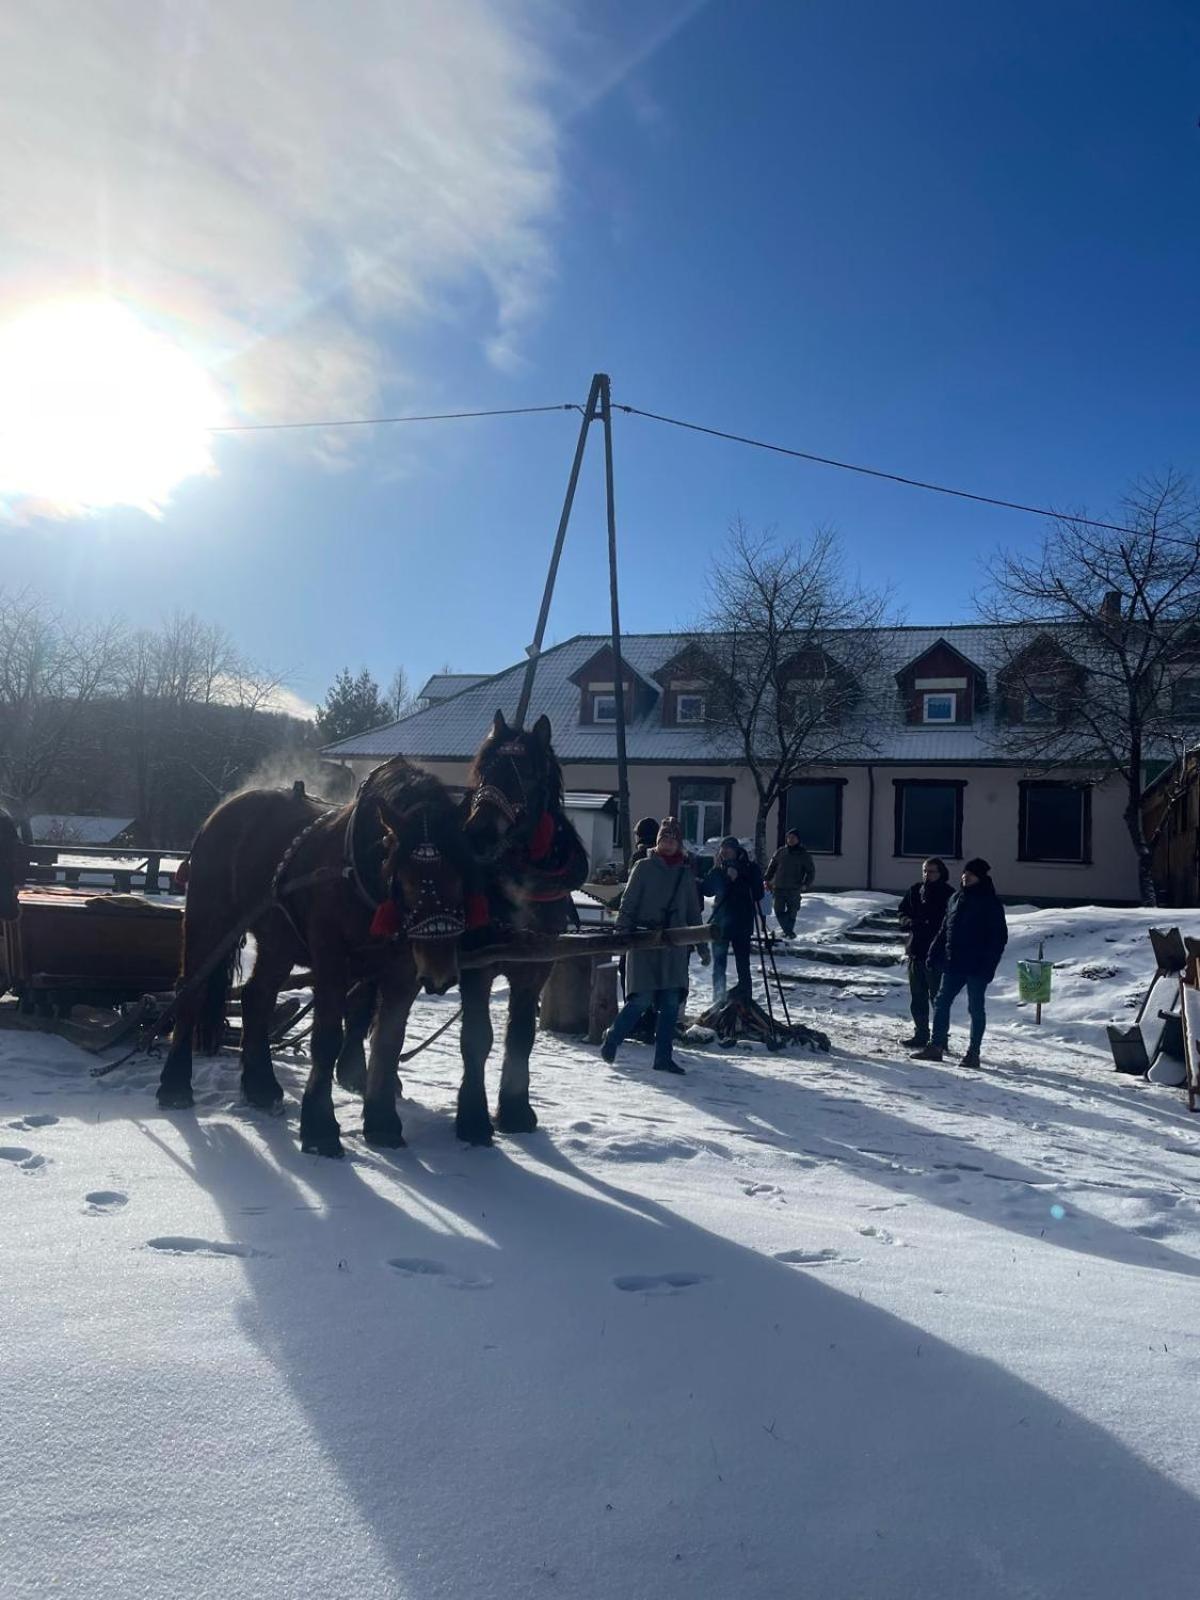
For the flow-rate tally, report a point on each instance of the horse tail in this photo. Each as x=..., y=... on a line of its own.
x=214, y=998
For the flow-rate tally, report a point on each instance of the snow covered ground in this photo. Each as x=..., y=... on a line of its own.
x=829, y=1326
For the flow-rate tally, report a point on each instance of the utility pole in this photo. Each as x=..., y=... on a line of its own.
x=597, y=409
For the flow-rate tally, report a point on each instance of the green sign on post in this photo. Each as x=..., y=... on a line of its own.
x=1033, y=981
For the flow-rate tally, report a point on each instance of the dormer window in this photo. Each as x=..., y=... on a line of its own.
x=941, y=707
x=604, y=708
x=1038, y=707
x=689, y=708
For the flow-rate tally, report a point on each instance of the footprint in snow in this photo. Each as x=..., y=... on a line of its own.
x=38, y=1119
x=880, y=1235
x=173, y=1244
x=104, y=1202
x=20, y=1157
x=770, y=1190
x=658, y=1282
x=437, y=1271
x=815, y=1258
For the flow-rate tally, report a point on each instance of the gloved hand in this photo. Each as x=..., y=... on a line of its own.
x=705, y=955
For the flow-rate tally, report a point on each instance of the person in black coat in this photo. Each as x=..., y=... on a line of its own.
x=921, y=913
x=737, y=886
x=968, y=948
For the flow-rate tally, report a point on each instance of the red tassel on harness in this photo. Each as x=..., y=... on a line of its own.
x=543, y=837
x=477, y=911
x=385, y=924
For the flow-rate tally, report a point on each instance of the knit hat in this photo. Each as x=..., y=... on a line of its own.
x=646, y=831
x=977, y=867
x=730, y=843
x=669, y=828
x=793, y=833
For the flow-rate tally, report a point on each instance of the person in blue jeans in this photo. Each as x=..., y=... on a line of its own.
x=661, y=893
x=967, y=949
x=737, y=887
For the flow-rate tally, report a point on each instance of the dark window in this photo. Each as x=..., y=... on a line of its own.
x=1056, y=822
x=928, y=818
x=1185, y=697
x=815, y=811
x=604, y=708
x=689, y=708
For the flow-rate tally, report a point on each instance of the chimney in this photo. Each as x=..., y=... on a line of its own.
x=1110, y=606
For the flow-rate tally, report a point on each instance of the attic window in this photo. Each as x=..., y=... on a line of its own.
x=1185, y=697
x=941, y=707
x=604, y=708
x=689, y=708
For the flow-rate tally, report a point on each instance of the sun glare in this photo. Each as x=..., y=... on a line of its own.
x=98, y=409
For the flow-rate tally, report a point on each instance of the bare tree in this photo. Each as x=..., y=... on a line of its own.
x=1102, y=668
x=52, y=673
x=790, y=648
x=399, y=698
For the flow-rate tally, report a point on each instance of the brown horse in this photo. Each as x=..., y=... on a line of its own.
x=12, y=867
x=531, y=858
x=371, y=892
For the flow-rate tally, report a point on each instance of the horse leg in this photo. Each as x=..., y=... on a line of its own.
x=271, y=968
x=472, y=1122
x=175, y=1081
x=352, y=1058
x=319, y=1131
x=381, y=1121
x=514, y=1114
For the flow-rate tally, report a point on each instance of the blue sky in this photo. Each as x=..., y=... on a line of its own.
x=955, y=241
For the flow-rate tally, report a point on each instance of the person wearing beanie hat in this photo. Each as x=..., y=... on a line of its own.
x=789, y=873
x=737, y=888
x=967, y=949
x=661, y=893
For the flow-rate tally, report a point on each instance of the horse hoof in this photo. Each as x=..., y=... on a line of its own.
x=516, y=1116
x=352, y=1078
x=172, y=1098
x=473, y=1129
x=263, y=1093
x=384, y=1133
x=324, y=1144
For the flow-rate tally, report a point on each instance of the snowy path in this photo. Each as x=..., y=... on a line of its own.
x=805, y=1325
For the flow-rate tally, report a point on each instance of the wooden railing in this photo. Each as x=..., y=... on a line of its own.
x=117, y=865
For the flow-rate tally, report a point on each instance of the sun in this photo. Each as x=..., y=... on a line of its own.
x=97, y=409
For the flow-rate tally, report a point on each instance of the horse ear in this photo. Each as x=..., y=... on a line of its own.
x=499, y=726
x=541, y=731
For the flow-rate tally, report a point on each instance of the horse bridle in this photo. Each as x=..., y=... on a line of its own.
x=491, y=794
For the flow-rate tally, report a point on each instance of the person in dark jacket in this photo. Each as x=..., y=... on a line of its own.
x=789, y=874
x=921, y=914
x=646, y=834
x=661, y=893
x=968, y=948
x=737, y=887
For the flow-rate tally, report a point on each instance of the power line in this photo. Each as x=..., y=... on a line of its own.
x=373, y=422
x=870, y=472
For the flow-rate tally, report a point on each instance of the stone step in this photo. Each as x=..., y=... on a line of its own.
x=845, y=955
x=883, y=936
x=833, y=980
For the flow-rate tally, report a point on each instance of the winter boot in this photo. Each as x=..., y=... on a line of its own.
x=931, y=1052
x=670, y=1065
x=608, y=1050
x=971, y=1059
x=917, y=1042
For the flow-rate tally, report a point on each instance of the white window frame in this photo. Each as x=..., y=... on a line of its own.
x=597, y=700
x=693, y=698
x=940, y=694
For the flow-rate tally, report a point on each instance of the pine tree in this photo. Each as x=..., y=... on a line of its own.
x=352, y=705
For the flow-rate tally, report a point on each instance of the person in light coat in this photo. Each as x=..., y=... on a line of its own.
x=661, y=893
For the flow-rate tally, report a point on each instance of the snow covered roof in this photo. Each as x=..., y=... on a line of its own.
x=588, y=799
x=63, y=828
x=444, y=684
x=453, y=729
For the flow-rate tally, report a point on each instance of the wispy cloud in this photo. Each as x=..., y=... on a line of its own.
x=280, y=181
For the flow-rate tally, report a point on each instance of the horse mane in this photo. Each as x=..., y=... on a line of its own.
x=553, y=769
x=398, y=786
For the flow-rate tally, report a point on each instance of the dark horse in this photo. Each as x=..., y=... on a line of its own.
x=12, y=867
x=370, y=893
x=531, y=858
